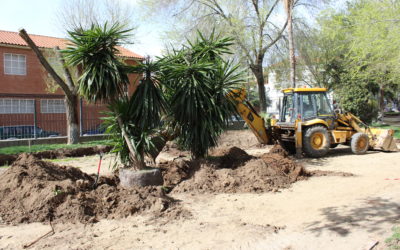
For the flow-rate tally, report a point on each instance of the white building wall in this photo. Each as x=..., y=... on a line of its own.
x=274, y=95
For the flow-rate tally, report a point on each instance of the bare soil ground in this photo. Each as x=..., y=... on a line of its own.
x=351, y=208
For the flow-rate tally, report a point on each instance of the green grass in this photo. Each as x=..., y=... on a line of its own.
x=393, y=241
x=44, y=147
x=395, y=128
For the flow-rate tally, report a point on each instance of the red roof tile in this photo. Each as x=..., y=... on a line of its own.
x=13, y=38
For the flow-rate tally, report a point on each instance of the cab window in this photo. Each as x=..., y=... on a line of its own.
x=308, y=108
x=288, y=111
x=322, y=104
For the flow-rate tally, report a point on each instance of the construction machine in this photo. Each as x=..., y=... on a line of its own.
x=308, y=124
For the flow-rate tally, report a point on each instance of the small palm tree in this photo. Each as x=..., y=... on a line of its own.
x=199, y=80
x=140, y=115
x=105, y=77
x=94, y=51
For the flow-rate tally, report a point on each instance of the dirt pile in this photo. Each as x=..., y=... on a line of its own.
x=270, y=172
x=178, y=170
x=277, y=149
x=231, y=157
x=32, y=190
x=175, y=172
x=58, y=153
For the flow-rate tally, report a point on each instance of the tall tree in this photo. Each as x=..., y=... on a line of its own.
x=67, y=85
x=255, y=25
x=252, y=23
x=82, y=14
x=289, y=4
x=369, y=30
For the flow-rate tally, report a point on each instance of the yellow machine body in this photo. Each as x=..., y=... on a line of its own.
x=295, y=133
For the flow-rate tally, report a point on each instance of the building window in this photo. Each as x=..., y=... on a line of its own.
x=16, y=106
x=14, y=64
x=51, y=106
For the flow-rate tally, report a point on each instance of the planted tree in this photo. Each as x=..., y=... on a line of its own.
x=104, y=75
x=198, y=81
x=188, y=88
x=139, y=115
x=68, y=86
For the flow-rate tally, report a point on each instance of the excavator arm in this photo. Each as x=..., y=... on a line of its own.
x=255, y=122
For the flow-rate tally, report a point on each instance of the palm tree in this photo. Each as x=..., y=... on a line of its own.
x=104, y=76
x=199, y=80
x=140, y=116
x=189, y=87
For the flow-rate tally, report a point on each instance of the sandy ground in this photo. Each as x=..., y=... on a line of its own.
x=320, y=213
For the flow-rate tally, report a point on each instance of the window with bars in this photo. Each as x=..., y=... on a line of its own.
x=14, y=64
x=52, y=106
x=16, y=106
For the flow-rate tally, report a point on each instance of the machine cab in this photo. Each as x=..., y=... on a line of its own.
x=305, y=104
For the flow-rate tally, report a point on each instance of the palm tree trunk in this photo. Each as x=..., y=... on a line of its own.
x=138, y=162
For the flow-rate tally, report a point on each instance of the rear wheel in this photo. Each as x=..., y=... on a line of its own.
x=316, y=141
x=359, y=143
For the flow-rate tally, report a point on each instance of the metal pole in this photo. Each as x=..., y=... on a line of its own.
x=80, y=117
x=34, y=119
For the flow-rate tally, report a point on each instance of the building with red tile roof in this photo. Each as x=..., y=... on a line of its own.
x=13, y=38
x=25, y=95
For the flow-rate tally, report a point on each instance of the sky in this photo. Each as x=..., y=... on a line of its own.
x=39, y=17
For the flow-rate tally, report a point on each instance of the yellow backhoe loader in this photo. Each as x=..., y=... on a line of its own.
x=308, y=124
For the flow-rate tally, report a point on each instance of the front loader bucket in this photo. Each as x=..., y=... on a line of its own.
x=383, y=140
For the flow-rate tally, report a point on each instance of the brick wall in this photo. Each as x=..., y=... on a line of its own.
x=31, y=83
x=33, y=86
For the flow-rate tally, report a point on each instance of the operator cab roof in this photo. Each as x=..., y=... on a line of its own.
x=290, y=90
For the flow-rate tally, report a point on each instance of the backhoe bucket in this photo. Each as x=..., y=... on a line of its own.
x=383, y=140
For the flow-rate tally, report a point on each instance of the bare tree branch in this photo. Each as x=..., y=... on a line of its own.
x=24, y=35
x=276, y=38
x=67, y=74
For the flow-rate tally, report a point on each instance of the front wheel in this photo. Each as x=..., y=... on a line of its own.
x=359, y=143
x=316, y=141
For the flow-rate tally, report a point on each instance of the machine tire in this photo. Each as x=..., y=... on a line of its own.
x=316, y=141
x=289, y=146
x=359, y=143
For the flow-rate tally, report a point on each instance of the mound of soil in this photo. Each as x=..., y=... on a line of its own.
x=58, y=153
x=277, y=149
x=32, y=190
x=270, y=172
x=231, y=157
x=175, y=172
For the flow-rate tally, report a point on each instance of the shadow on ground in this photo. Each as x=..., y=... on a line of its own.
x=335, y=152
x=369, y=217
